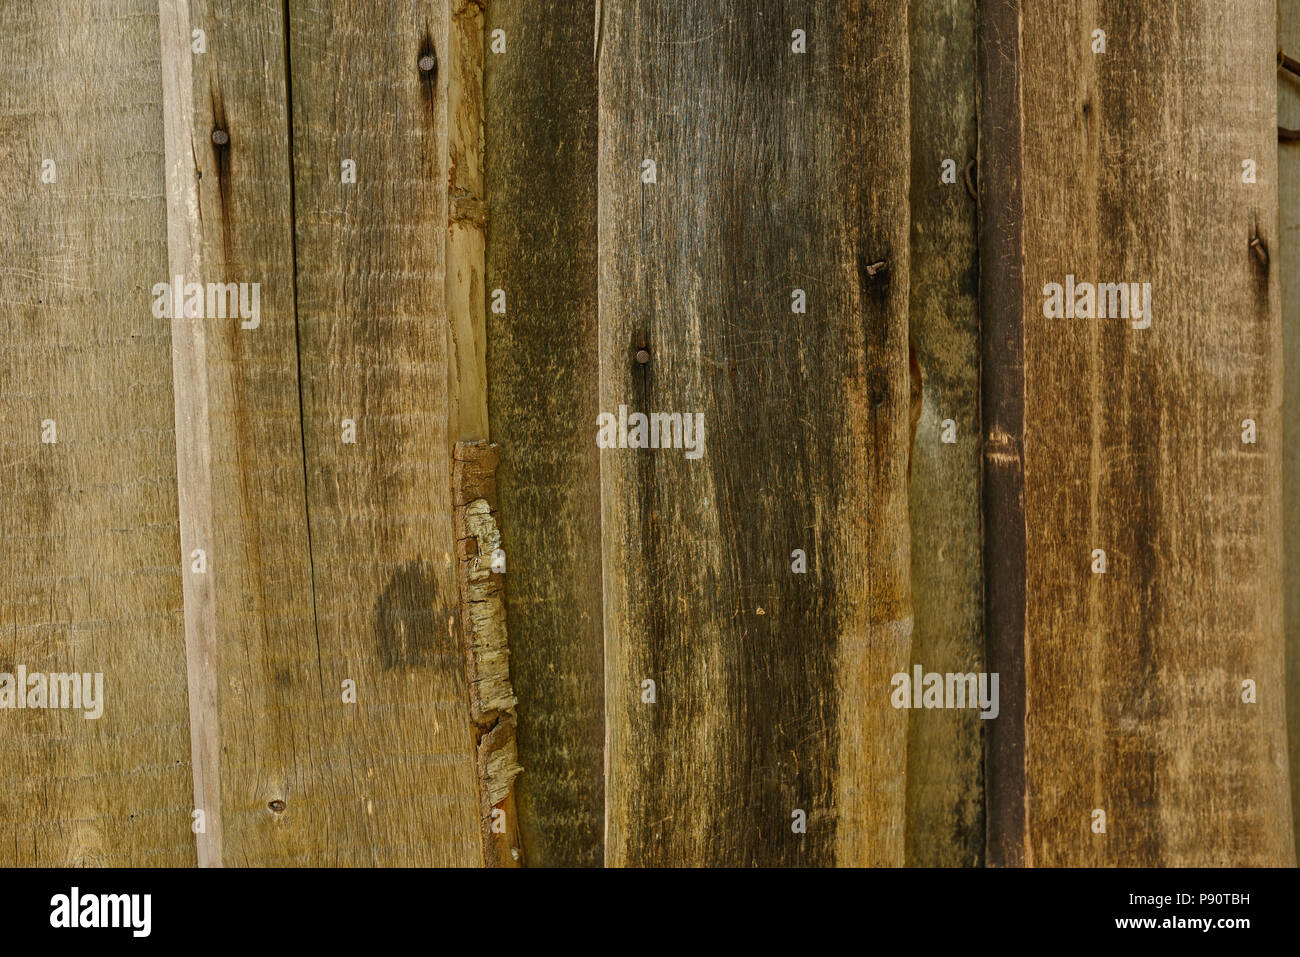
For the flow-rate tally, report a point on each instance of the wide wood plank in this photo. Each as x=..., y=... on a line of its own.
x=774, y=171
x=90, y=557
x=1133, y=438
x=373, y=341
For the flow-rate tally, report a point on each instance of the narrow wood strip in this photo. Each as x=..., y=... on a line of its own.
x=540, y=129
x=466, y=223
x=1002, y=387
x=1288, y=265
x=945, y=773
x=193, y=443
x=481, y=567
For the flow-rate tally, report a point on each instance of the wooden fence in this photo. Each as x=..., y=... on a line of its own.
x=963, y=326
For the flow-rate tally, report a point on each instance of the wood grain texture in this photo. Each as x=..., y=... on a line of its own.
x=775, y=171
x=1133, y=439
x=1288, y=112
x=1001, y=255
x=193, y=431
x=90, y=557
x=277, y=709
x=373, y=341
x=466, y=223
x=540, y=130
x=945, y=800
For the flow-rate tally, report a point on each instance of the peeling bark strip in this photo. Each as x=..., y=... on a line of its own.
x=487, y=655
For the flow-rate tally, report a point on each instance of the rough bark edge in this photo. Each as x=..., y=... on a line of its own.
x=486, y=648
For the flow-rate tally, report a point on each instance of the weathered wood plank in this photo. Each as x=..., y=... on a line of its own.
x=373, y=339
x=279, y=805
x=540, y=129
x=945, y=800
x=90, y=558
x=1289, y=269
x=775, y=171
x=1002, y=413
x=1134, y=438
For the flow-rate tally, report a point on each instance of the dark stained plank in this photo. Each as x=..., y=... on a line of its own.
x=540, y=130
x=775, y=171
x=1002, y=411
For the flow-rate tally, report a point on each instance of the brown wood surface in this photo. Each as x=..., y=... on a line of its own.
x=1001, y=252
x=90, y=556
x=945, y=800
x=373, y=347
x=277, y=713
x=521, y=170
x=1132, y=166
x=540, y=132
x=775, y=171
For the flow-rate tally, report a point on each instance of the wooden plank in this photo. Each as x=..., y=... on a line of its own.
x=373, y=338
x=280, y=802
x=540, y=129
x=188, y=321
x=1001, y=251
x=774, y=171
x=1134, y=439
x=90, y=565
x=945, y=799
x=1289, y=269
